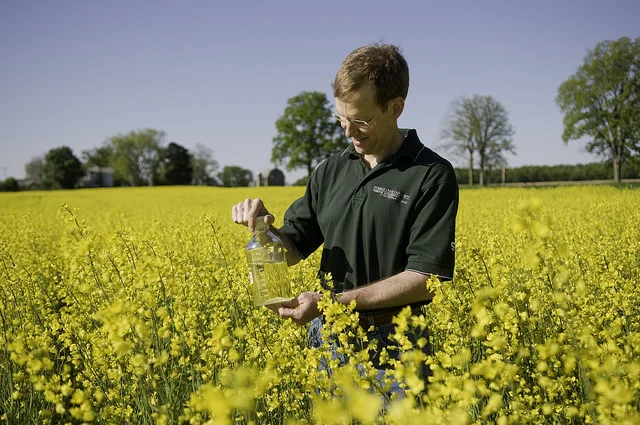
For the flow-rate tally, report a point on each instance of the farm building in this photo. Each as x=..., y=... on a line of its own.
x=271, y=177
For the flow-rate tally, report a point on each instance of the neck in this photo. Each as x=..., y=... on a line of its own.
x=374, y=159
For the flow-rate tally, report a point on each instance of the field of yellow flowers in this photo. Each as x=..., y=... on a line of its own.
x=132, y=306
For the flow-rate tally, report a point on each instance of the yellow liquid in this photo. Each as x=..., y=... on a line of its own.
x=275, y=300
x=270, y=283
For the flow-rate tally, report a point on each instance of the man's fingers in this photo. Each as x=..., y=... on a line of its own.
x=234, y=213
x=274, y=307
x=294, y=314
x=247, y=211
x=246, y=208
x=237, y=213
x=257, y=209
x=292, y=303
x=292, y=309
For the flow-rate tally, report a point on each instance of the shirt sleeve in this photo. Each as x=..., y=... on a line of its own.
x=431, y=248
x=301, y=221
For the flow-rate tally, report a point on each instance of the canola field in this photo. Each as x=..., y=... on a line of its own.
x=132, y=306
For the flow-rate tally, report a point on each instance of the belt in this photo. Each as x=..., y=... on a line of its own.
x=373, y=318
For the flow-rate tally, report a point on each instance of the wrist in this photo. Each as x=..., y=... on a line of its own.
x=333, y=296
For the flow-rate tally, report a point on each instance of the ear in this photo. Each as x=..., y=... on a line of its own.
x=397, y=106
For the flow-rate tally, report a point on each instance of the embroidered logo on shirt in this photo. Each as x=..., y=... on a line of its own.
x=392, y=194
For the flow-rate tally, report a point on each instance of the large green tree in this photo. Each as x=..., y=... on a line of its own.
x=175, y=166
x=479, y=126
x=62, y=169
x=601, y=101
x=234, y=176
x=204, y=166
x=34, y=170
x=101, y=156
x=136, y=156
x=9, y=185
x=306, y=133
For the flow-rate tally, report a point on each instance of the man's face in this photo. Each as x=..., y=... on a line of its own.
x=360, y=104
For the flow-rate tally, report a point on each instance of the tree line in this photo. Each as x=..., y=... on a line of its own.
x=600, y=102
x=137, y=158
x=552, y=173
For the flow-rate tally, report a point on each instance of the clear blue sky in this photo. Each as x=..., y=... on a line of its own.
x=219, y=73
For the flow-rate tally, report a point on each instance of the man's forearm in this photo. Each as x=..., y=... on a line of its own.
x=398, y=290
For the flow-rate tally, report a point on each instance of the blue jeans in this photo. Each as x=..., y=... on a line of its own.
x=381, y=333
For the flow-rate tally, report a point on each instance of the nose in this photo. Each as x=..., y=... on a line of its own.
x=350, y=129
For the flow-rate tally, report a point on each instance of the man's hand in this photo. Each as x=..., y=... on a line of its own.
x=248, y=211
x=302, y=309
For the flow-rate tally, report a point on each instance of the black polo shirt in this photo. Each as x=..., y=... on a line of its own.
x=376, y=223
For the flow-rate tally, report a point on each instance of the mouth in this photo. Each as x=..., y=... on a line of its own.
x=358, y=141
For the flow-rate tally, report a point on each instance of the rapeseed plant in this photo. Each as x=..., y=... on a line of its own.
x=132, y=306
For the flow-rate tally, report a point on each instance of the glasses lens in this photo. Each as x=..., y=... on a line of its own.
x=344, y=120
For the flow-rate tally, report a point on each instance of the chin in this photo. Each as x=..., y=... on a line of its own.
x=359, y=150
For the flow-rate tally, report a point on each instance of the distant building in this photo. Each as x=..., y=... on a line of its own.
x=271, y=177
x=25, y=184
x=98, y=177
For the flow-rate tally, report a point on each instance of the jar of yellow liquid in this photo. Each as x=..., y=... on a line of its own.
x=268, y=270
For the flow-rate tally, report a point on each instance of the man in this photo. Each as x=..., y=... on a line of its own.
x=384, y=208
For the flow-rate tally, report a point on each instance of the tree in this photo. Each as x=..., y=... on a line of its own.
x=9, y=185
x=98, y=157
x=136, y=156
x=62, y=169
x=601, y=101
x=480, y=125
x=495, y=160
x=306, y=133
x=175, y=166
x=302, y=181
x=234, y=176
x=462, y=125
x=204, y=166
x=34, y=170
x=496, y=136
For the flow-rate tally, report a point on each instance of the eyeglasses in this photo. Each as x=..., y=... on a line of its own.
x=358, y=123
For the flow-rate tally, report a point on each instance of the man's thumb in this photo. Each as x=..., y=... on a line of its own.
x=269, y=219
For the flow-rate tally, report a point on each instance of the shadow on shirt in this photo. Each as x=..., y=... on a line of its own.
x=334, y=261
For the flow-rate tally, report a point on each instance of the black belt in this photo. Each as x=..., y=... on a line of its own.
x=375, y=318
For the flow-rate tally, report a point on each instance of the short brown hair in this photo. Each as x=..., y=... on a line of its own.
x=380, y=65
